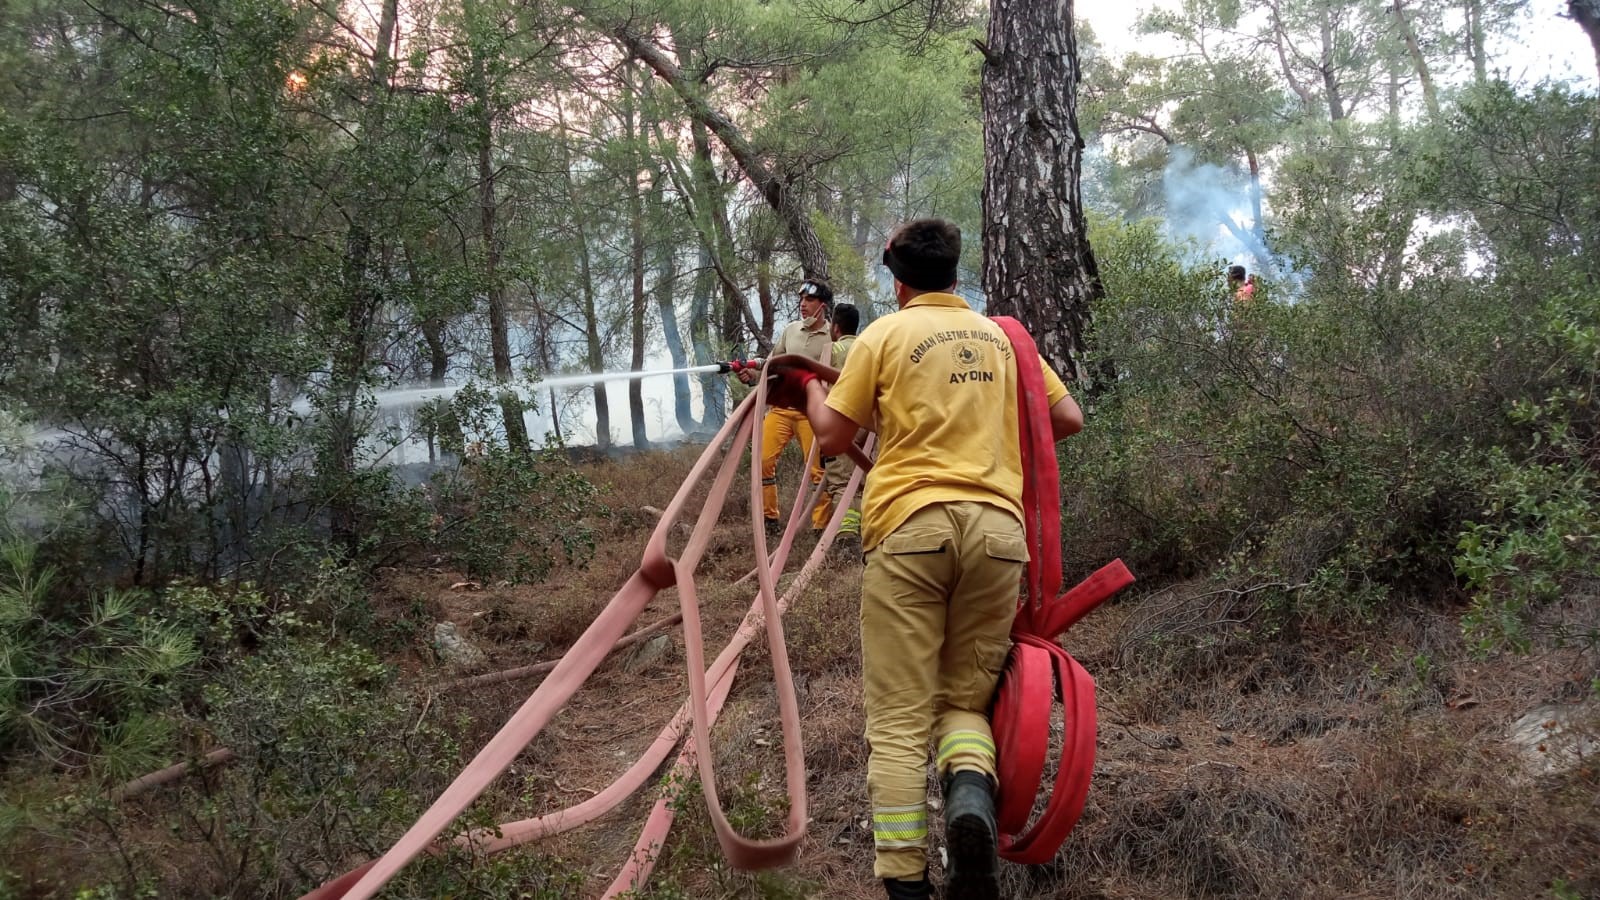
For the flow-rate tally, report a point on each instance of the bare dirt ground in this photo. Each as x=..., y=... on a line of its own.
x=1323, y=760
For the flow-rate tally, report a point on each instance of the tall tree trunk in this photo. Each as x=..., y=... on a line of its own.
x=1430, y=95
x=1475, y=41
x=1037, y=265
x=763, y=249
x=1331, y=87
x=1256, y=224
x=713, y=390
x=1281, y=43
x=591, y=327
x=591, y=334
x=737, y=319
x=631, y=134
x=666, y=267
x=488, y=207
x=596, y=356
x=546, y=356
x=438, y=358
x=701, y=191
x=1587, y=14
x=351, y=355
x=774, y=186
x=861, y=223
x=439, y=413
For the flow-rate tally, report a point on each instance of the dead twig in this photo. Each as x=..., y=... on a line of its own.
x=541, y=668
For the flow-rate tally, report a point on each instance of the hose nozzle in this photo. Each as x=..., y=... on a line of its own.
x=739, y=365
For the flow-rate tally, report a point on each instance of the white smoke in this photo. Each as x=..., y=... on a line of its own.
x=1211, y=216
x=1208, y=209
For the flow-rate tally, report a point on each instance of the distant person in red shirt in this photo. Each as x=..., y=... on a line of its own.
x=1242, y=285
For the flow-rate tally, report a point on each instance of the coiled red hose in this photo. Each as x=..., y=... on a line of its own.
x=1038, y=672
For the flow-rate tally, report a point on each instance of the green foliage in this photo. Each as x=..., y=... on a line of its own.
x=512, y=515
x=1535, y=537
x=1337, y=444
x=84, y=685
x=330, y=757
x=1523, y=165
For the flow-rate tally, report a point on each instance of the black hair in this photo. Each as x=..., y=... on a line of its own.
x=818, y=288
x=1236, y=273
x=847, y=318
x=924, y=254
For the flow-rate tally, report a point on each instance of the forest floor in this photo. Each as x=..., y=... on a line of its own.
x=1240, y=752
x=1353, y=760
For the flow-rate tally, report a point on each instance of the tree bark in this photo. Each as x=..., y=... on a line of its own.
x=1330, y=73
x=546, y=357
x=699, y=191
x=488, y=207
x=439, y=413
x=713, y=390
x=352, y=354
x=769, y=310
x=1475, y=48
x=1037, y=265
x=591, y=328
x=630, y=134
x=1587, y=14
x=1280, y=43
x=775, y=187
x=1430, y=95
x=737, y=317
x=665, y=254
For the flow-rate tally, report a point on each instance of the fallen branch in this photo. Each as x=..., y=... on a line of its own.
x=541, y=668
x=143, y=783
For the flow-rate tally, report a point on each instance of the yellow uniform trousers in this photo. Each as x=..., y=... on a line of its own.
x=777, y=427
x=937, y=599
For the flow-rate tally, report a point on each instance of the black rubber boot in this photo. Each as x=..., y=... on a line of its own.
x=774, y=528
x=898, y=889
x=973, y=871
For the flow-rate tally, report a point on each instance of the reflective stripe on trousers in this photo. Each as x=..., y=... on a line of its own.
x=900, y=826
x=937, y=599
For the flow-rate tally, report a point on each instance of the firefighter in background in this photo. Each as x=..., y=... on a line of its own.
x=838, y=469
x=808, y=337
x=1242, y=285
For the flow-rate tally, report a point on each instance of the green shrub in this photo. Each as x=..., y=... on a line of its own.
x=1334, y=440
x=514, y=516
x=83, y=686
x=331, y=760
x=1536, y=536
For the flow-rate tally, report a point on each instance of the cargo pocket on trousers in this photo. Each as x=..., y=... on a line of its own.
x=919, y=539
x=1008, y=547
x=988, y=658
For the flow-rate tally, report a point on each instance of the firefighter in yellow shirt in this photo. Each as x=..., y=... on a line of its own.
x=942, y=528
x=808, y=337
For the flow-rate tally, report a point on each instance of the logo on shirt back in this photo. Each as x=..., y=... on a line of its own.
x=968, y=356
x=967, y=353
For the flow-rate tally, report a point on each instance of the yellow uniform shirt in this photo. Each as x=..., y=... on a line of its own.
x=941, y=381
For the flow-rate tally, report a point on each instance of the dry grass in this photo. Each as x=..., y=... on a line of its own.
x=1328, y=761
x=1324, y=760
